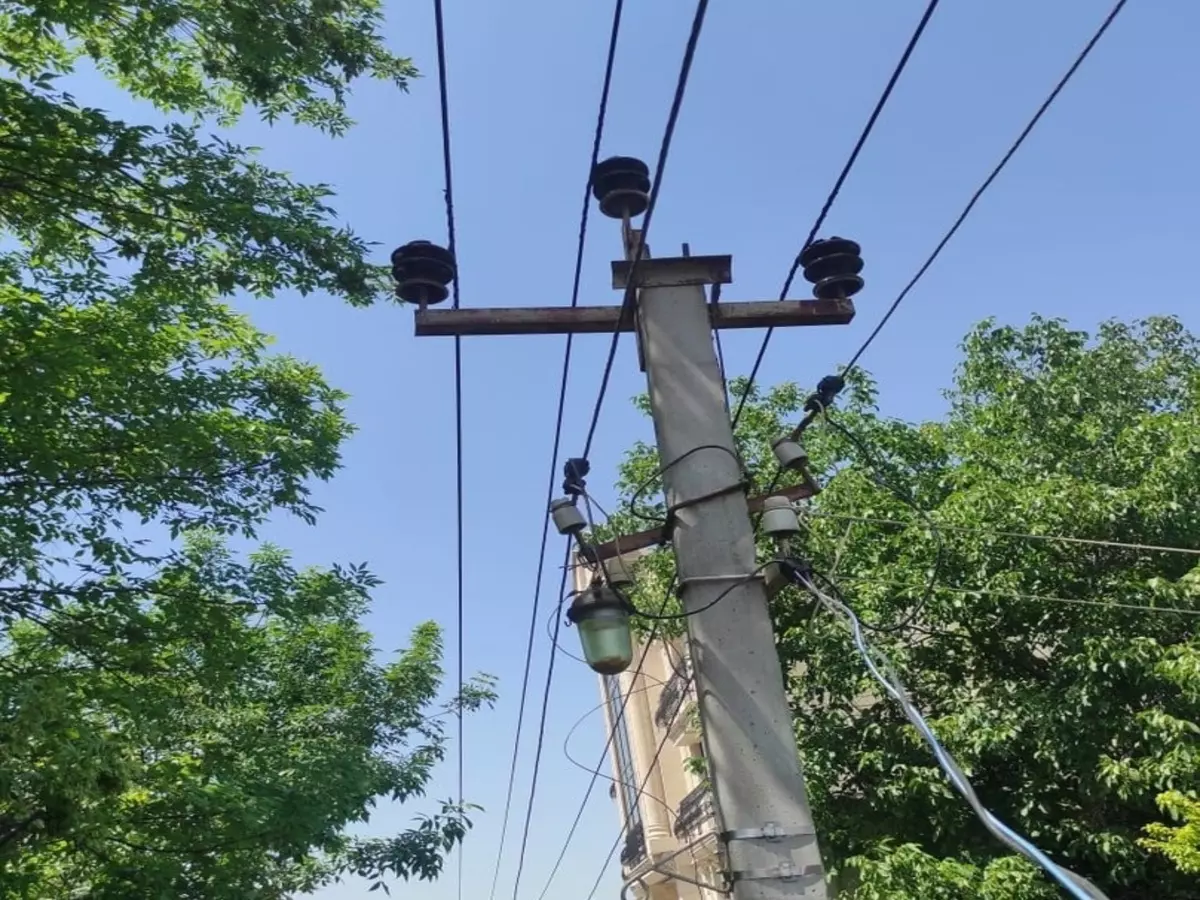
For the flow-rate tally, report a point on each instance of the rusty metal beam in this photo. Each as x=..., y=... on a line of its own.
x=642, y=539
x=604, y=319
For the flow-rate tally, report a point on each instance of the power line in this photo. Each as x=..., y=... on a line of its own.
x=618, y=8
x=1049, y=538
x=1062, y=83
x=671, y=811
x=646, y=778
x=882, y=671
x=837, y=189
x=664, y=150
x=444, y=98
x=1044, y=598
x=908, y=500
x=618, y=721
x=537, y=756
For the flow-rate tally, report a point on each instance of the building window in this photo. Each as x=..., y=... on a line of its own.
x=622, y=752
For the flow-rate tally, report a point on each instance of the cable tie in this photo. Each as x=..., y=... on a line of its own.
x=744, y=485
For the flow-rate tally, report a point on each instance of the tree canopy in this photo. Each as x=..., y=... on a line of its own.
x=179, y=719
x=1064, y=676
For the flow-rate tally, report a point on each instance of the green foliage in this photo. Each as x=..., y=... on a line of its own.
x=1179, y=843
x=179, y=721
x=287, y=57
x=215, y=739
x=892, y=872
x=100, y=206
x=1069, y=710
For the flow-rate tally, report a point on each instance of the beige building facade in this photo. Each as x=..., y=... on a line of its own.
x=670, y=829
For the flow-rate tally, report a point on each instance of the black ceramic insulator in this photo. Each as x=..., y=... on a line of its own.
x=832, y=266
x=622, y=186
x=423, y=272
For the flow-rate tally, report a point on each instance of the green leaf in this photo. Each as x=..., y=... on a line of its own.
x=1055, y=672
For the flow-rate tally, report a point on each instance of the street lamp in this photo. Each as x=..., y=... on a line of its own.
x=602, y=616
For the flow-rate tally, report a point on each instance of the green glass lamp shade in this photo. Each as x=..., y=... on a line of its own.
x=607, y=640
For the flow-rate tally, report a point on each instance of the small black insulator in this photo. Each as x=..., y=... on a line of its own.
x=622, y=185
x=827, y=390
x=422, y=271
x=832, y=265
x=575, y=470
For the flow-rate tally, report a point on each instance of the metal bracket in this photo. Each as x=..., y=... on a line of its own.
x=671, y=271
x=783, y=872
x=769, y=832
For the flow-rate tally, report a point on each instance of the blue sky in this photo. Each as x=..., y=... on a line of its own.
x=1091, y=220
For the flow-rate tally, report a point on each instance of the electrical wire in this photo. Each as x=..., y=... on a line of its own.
x=550, y=629
x=882, y=671
x=636, y=494
x=1049, y=538
x=618, y=720
x=601, y=116
x=655, y=618
x=837, y=189
x=645, y=780
x=648, y=642
x=451, y=240
x=1025, y=132
x=660, y=616
x=1042, y=598
x=664, y=150
x=907, y=499
x=713, y=303
x=541, y=737
x=599, y=773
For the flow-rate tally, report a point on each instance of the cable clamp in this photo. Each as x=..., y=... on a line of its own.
x=785, y=871
x=769, y=832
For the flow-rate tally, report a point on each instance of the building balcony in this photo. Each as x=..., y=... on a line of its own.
x=695, y=812
x=634, y=850
x=675, y=705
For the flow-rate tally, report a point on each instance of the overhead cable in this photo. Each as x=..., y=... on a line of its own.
x=444, y=98
x=541, y=734
x=908, y=500
x=664, y=151
x=647, y=643
x=995, y=173
x=882, y=671
x=617, y=782
x=1038, y=598
x=598, y=133
x=837, y=189
x=645, y=780
x=618, y=722
x=1049, y=538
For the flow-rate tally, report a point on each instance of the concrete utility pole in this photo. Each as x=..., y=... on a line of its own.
x=758, y=786
x=767, y=828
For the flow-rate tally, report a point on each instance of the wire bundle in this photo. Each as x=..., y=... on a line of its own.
x=882, y=671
